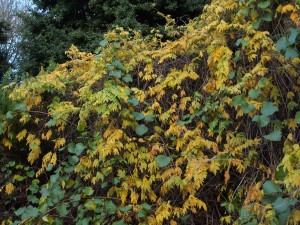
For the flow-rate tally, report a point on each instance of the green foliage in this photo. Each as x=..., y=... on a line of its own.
x=147, y=131
x=52, y=27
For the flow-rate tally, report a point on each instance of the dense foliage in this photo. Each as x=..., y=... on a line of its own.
x=199, y=130
x=53, y=26
x=4, y=64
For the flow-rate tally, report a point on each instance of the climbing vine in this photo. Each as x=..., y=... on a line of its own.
x=203, y=129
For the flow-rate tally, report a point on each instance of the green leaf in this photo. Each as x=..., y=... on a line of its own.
x=231, y=75
x=247, y=108
x=1, y=128
x=162, y=160
x=30, y=212
x=280, y=173
x=133, y=101
x=75, y=197
x=21, y=106
x=88, y=191
x=117, y=64
x=267, y=16
x=268, y=199
x=142, y=213
x=138, y=116
x=103, y=43
x=146, y=206
x=297, y=117
x=76, y=149
x=20, y=211
x=262, y=120
x=127, y=79
x=268, y=108
x=51, y=123
x=274, y=136
x=149, y=118
x=30, y=173
x=116, y=73
x=110, y=207
x=280, y=205
x=270, y=187
x=9, y=115
x=283, y=217
x=126, y=208
x=73, y=159
x=254, y=93
x=62, y=209
x=263, y=82
x=282, y=44
x=264, y=4
x=256, y=24
x=53, y=178
x=141, y=129
x=45, y=192
x=236, y=100
x=293, y=35
x=291, y=52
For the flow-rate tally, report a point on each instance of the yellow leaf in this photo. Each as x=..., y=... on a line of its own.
x=7, y=143
x=59, y=142
x=287, y=8
x=226, y=176
x=9, y=188
x=21, y=135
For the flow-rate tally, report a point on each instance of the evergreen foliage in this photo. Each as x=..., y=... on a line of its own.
x=200, y=130
x=4, y=64
x=53, y=26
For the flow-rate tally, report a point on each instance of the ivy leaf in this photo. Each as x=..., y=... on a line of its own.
x=297, y=117
x=267, y=16
x=262, y=120
x=270, y=187
x=138, y=116
x=254, y=93
x=263, y=82
x=20, y=211
x=162, y=160
x=88, y=191
x=236, y=100
x=116, y=73
x=62, y=209
x=127, y=79
x=149, y=118
x=103, y=43
x=293, y=35
x=73, y=159
x=76, y=149
x=146, y=206
x=274, y=136
x=21, y=106
x=142, y=213
x=291, y=53
x=126, y=208
x=141, y=129
x=282, y=44
x=263, y=5
x=268, y=108
x=280, y=205
x=110, y=207
x=256, y=24
x=247, y=108
x=133, y=101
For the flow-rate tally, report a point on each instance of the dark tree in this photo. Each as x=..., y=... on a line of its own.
x=53, y=25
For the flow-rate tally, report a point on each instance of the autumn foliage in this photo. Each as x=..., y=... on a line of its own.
x=200, y=130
